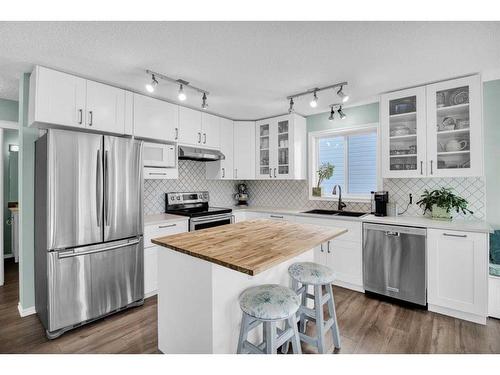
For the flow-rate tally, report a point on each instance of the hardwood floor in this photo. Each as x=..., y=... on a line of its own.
x=367, y=325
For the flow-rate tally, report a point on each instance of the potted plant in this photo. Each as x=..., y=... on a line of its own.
x=441, y=202
x=325, y=172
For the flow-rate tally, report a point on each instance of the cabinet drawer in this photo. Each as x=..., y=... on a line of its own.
x=354, y=232
x=278, y=217
x=161, y=230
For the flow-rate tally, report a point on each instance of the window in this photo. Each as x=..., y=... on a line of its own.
x=354, y=156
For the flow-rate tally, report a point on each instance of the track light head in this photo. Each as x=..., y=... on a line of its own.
x=341, y=114
x=332, y=114
x=150, y=87
x=204, y=104
x=290, y=109
x=314, y=101
x=182, y=94
x=343, y=97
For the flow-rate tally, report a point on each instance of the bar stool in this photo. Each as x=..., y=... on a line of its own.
x=319, y=276
x=269, y=304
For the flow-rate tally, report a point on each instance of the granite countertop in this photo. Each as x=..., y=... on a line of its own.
x=163, y=218
x=251, y=246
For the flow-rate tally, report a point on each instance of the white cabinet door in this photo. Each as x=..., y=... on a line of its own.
x=190, y=126
x=223, y=169
x=155, y=119
x=244, y=150
x=105, y=108
x=210, y=126
x=345, y=258
x=457, y=266
x=282, y=138
x=403, y=132
x=57, y=98
x=265, y=132
x=454, y=128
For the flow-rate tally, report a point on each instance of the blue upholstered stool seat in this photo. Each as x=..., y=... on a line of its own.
x=311, y=273
x=269, y=302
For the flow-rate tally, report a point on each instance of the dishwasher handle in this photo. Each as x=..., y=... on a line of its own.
x=390, y=230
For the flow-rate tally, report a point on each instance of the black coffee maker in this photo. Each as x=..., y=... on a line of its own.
x=380, y=199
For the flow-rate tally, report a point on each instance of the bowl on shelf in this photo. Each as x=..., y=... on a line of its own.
x=448, y=123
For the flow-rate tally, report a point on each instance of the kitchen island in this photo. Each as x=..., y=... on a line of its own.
x=202, y=273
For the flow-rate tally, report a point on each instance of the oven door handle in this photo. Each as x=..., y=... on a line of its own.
x=193, y=222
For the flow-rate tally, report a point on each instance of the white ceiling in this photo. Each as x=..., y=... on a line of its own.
x=250, y=67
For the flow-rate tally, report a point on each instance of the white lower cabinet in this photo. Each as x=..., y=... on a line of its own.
x=151, y=251
x=343, y=254
x=457, y=267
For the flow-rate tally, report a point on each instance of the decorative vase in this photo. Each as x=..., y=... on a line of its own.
x=440, y=213
x=316, y=191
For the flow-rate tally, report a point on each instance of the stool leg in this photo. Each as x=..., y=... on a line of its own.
x=302, y=320
x=245, y=323
x=270, y=337
x=292, y=322
x=333, y=315
x=320, y=327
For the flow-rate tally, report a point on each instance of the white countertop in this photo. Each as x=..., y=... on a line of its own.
x=416, y=221
x=163, y=218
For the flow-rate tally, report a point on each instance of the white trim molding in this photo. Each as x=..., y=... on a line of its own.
x=9, y=125
x=25, y=311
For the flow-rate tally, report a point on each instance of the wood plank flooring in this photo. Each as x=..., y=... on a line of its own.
x=367, y=325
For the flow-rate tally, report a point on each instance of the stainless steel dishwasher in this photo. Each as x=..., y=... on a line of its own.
x=394, y=259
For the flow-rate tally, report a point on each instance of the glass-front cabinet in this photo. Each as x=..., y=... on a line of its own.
x=281, y=148
x=454, y=129
x=433, y=130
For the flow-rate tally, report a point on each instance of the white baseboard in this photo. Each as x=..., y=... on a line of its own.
x=150, y=294
x=479, y=319
x=7, y=256
x=25, y=311
x=344, y=284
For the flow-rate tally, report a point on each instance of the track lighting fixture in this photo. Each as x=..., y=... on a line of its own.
x=204, y=104
x=150, y=87
x=290, y=110
x=182, y=94
x=332, y=114
x=343, y=97
x=341, y=114
x=314, y=101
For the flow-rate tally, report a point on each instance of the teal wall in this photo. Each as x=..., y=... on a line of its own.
x=10, y=136
x=27, y=137
x=8, y=110
x=363, y=114
x=491, y=120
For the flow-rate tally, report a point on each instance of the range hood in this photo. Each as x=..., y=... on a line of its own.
x=200, y=154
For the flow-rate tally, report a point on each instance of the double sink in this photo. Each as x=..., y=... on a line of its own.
x=335, y=213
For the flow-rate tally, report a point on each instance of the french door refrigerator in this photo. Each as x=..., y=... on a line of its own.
x=89, y=250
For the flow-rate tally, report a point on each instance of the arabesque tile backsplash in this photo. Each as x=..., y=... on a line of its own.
x=294, y=194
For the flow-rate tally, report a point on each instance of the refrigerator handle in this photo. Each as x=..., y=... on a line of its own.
x=98, y=188
x=106, y=188
x=71, y=253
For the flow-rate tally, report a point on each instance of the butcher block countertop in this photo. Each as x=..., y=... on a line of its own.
x=251, y=246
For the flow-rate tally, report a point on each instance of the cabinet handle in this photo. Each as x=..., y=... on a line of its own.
x=199, y=137
x=270, y=173
x=328, y=247
x=223, y=173
x=321, y=248
x=157, y=174
x=455, y=235
x=421, y=167
x=91, y=119
x=204, y=138
x=432, y=161
x=276, y=216
x=176, y=133
x=167, y=226
x=274, y=172
x=80, y=113
x=236, y=173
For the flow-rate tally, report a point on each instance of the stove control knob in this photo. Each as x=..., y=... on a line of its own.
x=178, y=198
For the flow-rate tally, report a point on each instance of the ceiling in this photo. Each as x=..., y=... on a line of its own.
x=250, y=67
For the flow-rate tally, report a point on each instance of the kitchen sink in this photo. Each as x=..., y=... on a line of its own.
x=335, y=213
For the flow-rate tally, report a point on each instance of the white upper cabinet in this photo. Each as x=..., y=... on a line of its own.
x=281, y=148
x=155, y=119
x=56, y=98
x=60, y=99
x=105, y=108
x=190, y=126
x=433, y=131
x=454, y=128
x=223, y=169
x=210, y=129
x=244, y=150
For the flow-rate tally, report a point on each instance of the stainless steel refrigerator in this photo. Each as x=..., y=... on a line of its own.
x=89, y=250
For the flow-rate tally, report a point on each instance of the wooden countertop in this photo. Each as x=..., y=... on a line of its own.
x=251, y=246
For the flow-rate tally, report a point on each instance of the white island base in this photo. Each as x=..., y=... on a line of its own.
x=198, y=309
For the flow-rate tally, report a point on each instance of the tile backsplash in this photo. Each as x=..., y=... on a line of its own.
x=294, y=194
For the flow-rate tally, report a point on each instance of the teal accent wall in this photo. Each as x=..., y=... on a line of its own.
x=27, y=137
x=491, y=120
x=363, y=114
x=9, y=110
x=10, y=182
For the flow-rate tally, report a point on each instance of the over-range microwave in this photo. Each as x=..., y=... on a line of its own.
x=159, y=155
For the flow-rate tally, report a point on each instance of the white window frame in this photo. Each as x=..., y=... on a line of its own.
x=313, y=153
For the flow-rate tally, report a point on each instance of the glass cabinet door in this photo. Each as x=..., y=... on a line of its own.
x=403, y=133
x=283, y=141
x=263, y=142
x=454, y=128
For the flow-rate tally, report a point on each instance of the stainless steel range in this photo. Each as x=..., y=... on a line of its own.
x=195, y=206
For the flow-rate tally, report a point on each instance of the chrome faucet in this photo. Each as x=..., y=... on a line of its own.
x=341, y=204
